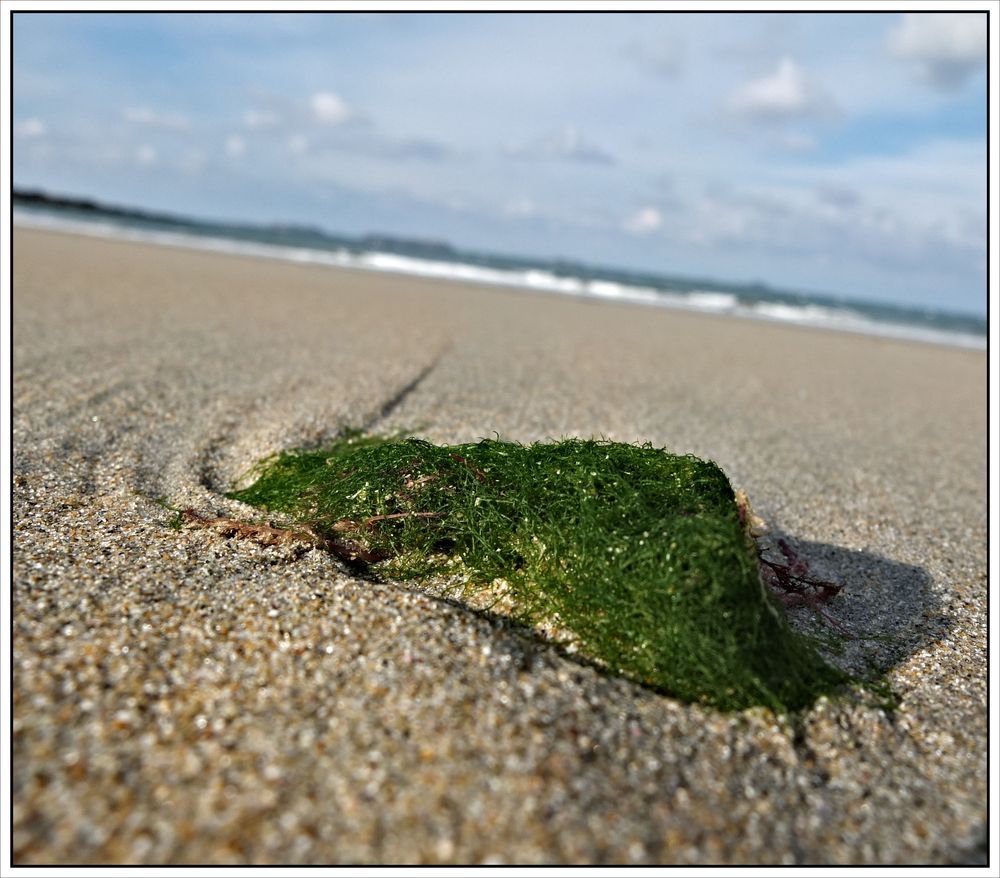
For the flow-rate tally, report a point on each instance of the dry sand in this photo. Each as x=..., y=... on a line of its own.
x=183, y=698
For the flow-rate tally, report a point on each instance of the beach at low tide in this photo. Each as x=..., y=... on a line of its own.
x=183, y=698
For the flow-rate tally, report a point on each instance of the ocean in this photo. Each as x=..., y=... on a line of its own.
x=559, y=277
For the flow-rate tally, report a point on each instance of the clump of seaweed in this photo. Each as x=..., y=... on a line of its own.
x=639, y=559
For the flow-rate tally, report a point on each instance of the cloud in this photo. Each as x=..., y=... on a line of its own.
x=256, y=119
x=329, y=109
x=30, y=129
x=784, y=95
x=150, y=118
x=521, y=208
x=192, y=161
x=797, y=142
x=411, y=148
x=235, y=146
x=298, y=144
x=643, y=221
x=146, y=156
x=947, y=48
x=833, y=222
x=370, y=143
x=664, y=57
x=321, y=111
x=323, y=122
x=838, y=196
x=564, y=145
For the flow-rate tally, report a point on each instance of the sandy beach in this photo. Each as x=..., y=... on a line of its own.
x=184, y=698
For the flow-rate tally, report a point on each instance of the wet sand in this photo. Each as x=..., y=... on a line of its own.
x=180, y=697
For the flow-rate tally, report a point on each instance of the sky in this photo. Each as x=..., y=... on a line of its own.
x=823, y=152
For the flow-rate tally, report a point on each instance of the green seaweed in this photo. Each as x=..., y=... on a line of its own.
x=177, y=521
x=634, y=557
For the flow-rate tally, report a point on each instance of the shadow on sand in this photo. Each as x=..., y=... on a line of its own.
x=888, y=607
